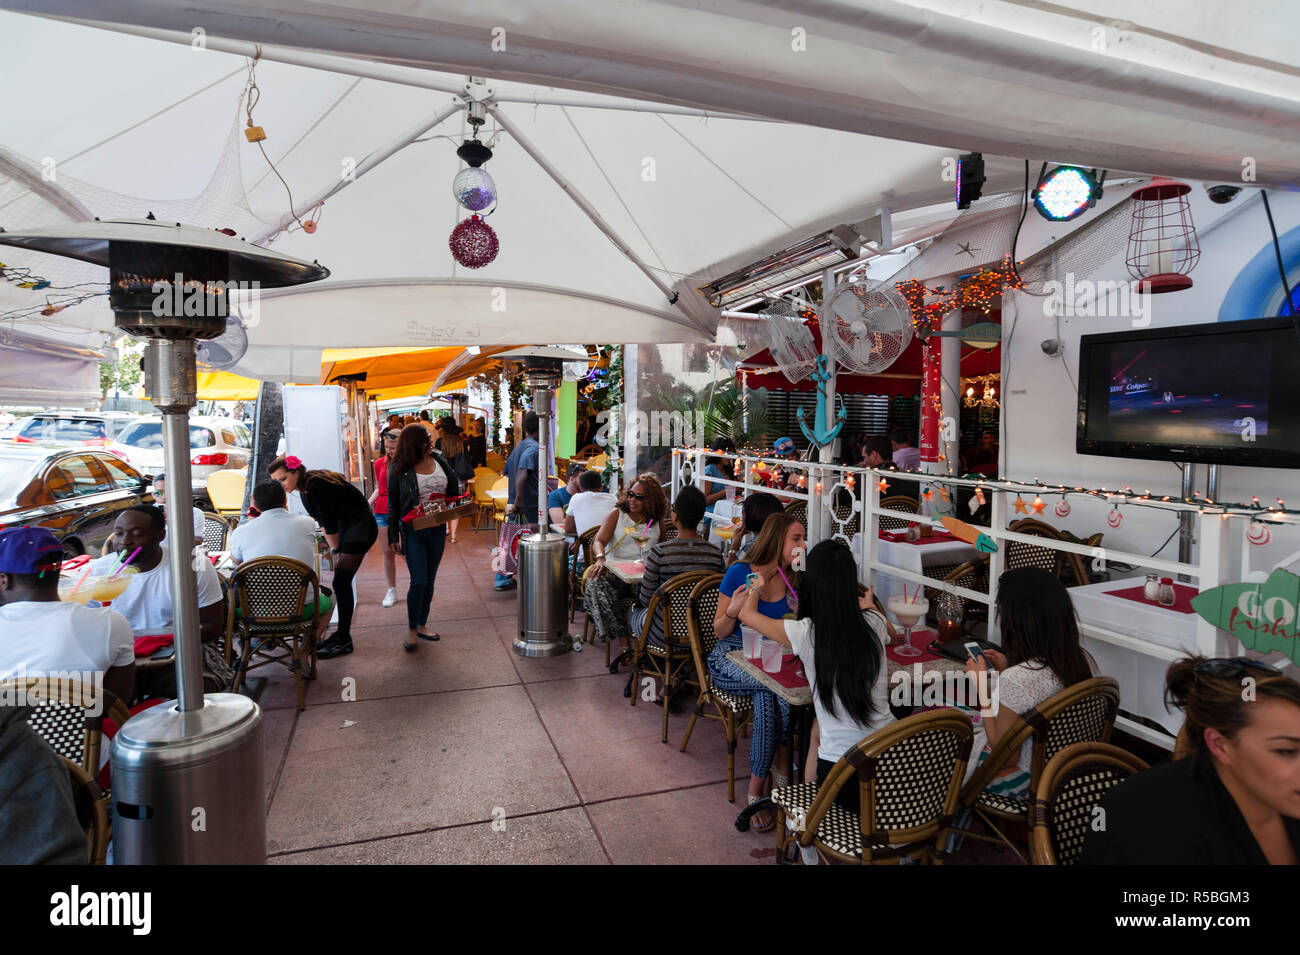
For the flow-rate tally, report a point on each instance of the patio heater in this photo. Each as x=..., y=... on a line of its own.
x=543, y=557
x=188, y=774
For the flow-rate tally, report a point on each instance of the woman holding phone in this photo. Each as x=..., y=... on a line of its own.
x=771, y=563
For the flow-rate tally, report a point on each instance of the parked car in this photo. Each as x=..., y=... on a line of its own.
x=216, y=444
x=70, y=429
x=76, y=494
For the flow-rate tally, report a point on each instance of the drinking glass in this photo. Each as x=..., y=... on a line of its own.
x=907, y=613
x=641, y=535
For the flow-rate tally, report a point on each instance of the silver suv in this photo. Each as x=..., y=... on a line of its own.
x=216, y=444
x=70, y=429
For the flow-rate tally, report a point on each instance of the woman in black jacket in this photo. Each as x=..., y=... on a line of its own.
x=416, y=472
x=344, y=514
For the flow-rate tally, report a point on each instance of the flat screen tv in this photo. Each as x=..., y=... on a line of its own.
x=1222, y=393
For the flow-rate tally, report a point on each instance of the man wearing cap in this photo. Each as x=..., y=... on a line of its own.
x=40, y=634
x=147, y=601
x=557, y=502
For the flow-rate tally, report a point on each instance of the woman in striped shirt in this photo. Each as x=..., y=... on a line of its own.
x=664, y=561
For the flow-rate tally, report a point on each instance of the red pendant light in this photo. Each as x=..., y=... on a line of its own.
x=1162, y=244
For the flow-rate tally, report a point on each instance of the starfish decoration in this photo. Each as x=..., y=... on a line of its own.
x=883, y=485
x=965, y=247
x=928, y=494
x=1021, y=507
x=1037, y=505
x=943, y=494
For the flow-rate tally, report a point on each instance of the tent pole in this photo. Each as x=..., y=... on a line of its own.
x=527, y=145
x=363, y=167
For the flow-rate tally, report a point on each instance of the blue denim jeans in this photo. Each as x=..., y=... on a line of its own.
x=423, y=552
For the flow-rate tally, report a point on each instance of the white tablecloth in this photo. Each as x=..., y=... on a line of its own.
x=1141, y=677
x=914, y=557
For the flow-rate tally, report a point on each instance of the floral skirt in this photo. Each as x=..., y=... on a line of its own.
x=603, y=598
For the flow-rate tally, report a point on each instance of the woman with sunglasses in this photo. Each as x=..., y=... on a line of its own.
x=1235, y=800
x=643, y=506
x=379, y=503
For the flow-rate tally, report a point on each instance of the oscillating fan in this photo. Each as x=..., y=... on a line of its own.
x=789, y=340
x=870, y=327
x=226, y=349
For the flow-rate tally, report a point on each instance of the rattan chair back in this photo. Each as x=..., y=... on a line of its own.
x=1071, y=788
x=897, y=502
x=1020, y=554
x=216, y=530
x=908, y=776
x=68, y=714
x=272, y=592
x=92, y=812
x=799, y=511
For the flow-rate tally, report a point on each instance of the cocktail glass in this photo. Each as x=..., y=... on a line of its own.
x=727, y=531
x=83, y=592
x=907, y=613
x=108, y=589
x=641, y=535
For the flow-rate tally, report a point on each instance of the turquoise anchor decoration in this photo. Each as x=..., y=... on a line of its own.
x=817, y=435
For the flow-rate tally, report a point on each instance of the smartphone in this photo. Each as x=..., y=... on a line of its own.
x=751, y=580
x=974, y=651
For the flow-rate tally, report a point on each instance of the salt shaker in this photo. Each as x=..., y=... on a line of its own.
x=1166, y=597
x=1152, y=589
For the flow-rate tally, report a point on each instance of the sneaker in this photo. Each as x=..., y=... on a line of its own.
x=334, y=647
x=504, y=582
x=390, y=598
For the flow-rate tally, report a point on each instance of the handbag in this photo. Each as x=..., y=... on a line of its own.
x=463, y=467
x=505, y=558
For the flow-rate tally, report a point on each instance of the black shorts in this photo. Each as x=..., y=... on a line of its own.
x=358, y=536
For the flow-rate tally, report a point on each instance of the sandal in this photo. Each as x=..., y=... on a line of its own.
x=764, y=814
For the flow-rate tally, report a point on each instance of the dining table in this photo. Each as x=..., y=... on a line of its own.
x=628, y=571
x=919, y=556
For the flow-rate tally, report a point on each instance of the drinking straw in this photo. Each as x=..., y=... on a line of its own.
x=125, y=562
x=78, y=584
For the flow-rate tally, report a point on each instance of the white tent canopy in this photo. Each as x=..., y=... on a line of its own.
x=689, y=198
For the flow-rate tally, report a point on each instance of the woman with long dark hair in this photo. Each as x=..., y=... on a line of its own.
x=772, y=559
x=344, y=514
x=451, y=444
x=418, y=471
x=1040, y=657
x=1235, y=799
x=841, y=639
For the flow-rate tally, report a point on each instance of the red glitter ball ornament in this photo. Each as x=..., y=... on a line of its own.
x=473, y=243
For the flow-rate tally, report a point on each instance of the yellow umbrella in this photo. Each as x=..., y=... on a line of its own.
x=225, y=386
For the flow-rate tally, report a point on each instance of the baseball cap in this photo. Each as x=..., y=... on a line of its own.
x=783, y=445
x=29, y=550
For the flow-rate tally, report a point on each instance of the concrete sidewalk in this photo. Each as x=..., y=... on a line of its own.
x=465, y=752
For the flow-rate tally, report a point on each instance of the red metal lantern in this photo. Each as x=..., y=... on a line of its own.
x=1162, y=243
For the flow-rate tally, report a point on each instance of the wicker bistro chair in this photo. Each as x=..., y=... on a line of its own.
x=1072, y=786
x=581, y=548
x=908, y=776
x=897, y=502
x=92, y=812
x=973, y=575
x=484, y=479
x=1081, y=713
x=275, y=615
x=672, y=662
x=1055, y=562
x=732, y=711
x=216, y=530
x=798, y=510
x=68, y=715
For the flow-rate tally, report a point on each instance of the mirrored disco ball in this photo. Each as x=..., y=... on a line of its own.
x=474, y=189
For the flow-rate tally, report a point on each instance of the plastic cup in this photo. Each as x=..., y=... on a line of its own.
x=770, y=651
x=750, y=638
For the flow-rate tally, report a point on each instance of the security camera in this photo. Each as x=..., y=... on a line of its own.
x=1222, y=193
x=1051, y=347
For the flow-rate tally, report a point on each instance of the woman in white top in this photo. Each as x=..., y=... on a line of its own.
x=641, y=509
x=842, y=649
x=1040, y=657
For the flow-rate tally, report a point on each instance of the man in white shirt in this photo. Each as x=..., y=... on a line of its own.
x=147, y=601
x=275, y=532
x=589, y=506
x=41, y=635
x=906, y=457
x=160, y=499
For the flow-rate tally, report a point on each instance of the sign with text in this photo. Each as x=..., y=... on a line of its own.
x=1261, y=615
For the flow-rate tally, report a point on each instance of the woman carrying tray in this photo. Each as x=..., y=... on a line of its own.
x=416, y=472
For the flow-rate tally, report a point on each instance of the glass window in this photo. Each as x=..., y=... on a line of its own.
x=147, y=436
x=16, y=485
x=76, y=476
x=80, y=429
x=228, y=438
x=122, y=477
x=245, y=436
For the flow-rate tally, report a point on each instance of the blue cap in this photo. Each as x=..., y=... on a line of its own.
x=783, y=445
x=29, y=550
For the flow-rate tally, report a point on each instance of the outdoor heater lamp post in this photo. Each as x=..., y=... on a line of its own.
x=199, y=756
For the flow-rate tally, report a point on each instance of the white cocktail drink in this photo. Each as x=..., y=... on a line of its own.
x=908, y=612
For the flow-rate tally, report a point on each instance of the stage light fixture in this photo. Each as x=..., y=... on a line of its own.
x=1067, y=192
x=970, y=178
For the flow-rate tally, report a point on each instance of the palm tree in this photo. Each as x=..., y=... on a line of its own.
x=724, y=413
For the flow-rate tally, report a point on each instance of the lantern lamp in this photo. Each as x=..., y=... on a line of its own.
x=1162, y=243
